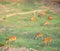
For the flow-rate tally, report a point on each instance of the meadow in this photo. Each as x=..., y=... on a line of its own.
x=24, y=29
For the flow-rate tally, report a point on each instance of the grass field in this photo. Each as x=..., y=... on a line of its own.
x=24, y=29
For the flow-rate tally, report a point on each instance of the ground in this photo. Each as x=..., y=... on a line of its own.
x=15, y=21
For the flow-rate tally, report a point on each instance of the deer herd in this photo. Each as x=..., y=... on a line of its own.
x=38, y=35
x=45, y=41
x=49, y=17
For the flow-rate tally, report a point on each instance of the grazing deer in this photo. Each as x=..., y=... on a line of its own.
x=50, y=17
x=42, y=13
x=11, y=38
x=38, y=35
x=45, y=23
x=46, y=40
x=33, y=19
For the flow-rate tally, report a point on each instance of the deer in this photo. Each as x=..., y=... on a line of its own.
x=33, y=19
x=50, y=18
x=46, y=40
x=42, y=13
x=11, y=38
x=38, y=35
x=45, y=23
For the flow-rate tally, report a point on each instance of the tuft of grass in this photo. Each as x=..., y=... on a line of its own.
x=5, y=2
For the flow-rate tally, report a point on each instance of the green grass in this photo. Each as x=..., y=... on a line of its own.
x=24, y=30
x=5, y=2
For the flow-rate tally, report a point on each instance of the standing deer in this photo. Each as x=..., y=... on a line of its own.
x=46, y=40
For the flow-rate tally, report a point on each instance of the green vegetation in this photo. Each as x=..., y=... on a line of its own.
x=24, y=29
x=5, y=3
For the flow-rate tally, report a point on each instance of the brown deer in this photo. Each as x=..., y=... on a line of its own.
x=38, y=35
x=50, y=17
x=46, y=40
x=11, y=38
x=42, y=13
x=45, y=23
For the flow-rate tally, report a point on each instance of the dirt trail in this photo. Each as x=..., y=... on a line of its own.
x=9, y=15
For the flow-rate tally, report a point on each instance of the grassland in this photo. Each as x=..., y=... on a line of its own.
x=24, y=29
